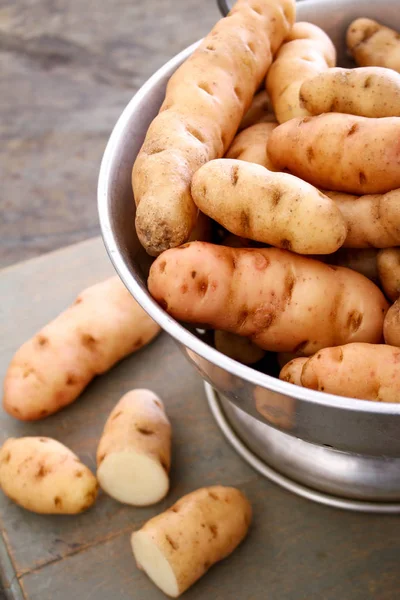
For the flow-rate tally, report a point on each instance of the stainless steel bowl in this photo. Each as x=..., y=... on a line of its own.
x=367, y=434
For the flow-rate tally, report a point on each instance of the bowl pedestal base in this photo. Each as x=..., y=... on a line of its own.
x=322, y=474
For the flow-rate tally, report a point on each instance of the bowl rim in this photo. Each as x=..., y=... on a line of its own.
x=166, y=322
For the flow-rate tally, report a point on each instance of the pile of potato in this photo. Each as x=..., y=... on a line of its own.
x=303, y=184
x=297, y=162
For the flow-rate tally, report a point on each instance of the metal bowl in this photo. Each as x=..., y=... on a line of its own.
x=366, y=434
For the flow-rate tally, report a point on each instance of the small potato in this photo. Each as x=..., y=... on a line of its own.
x=282, y=301
x=48, y=372
x=284, y=358
x=43, y=476
x=363, y=371
x=346, y=153
x=371, y=220
x=274, y=208
x=307, y=51
x=251, y=145
x=291, y=372
x=134, y=452
x=178, y=547
x=365, y=91
x=371, y=43
x=260, y=111
x=239, y=348
x=363, y=261
x=389, y=271
x=391, y=325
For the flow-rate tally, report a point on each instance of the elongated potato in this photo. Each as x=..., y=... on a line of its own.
x=372, y=220
x=178, y=547
x=371, y=43
x=44, y=476
x=363, y=261
x=391, y=325
x=281, y=301
x=250, y=145
x=48, y=372
x=134, y=452
x=389, y=272
x=365, y=91
x=205, y=101
x=358, y=155
x=364, y=371
x=275, y=208
x=239, y=348
x=291, y=371
x=307, y=51
x=260, y=111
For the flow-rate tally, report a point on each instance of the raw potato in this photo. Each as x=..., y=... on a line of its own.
x=366, y=91
x=274, y=208
x=306, y=51
x=363, y=371
x=281, y=301
x=363, y=261
x=250, y=145
x=358, y=155
x=260, y=111
x=372, y=220
x=205, y=101
x=389, y=272
x=291, y=372
x=371, y=43
x=239, y=348
x=44, y=476
x=48, y=372
x=178, y=547
x=134, y=452
x=391, y=325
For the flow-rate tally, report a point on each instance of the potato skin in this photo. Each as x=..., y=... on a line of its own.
x=337, y=371
x=372, y=220
x=364, y=91
x=291, y=371
x=371, y=43
x=260, y=111
x=346, y=153
x=281, y=301
x=50, y=370
x=274, y=208
x=391, y=325
x=388, y=262
x=306, y=51
x=205, y=101
x=44, y=476
x=250, y=145
x=199, y=530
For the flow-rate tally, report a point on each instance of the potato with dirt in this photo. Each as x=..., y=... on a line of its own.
x=250, y=145
x=365, y=91
x=281, y=301
x=205, y=102
x=134, y=452
x=358, y=370
x=373, y=44
x=388, y=262
x=391, y=325
x=104, y=325
x=372, y=220
x=44, y=476
x=339, y=152
x=307, y=51
x=180, y=545
x=273, y=208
